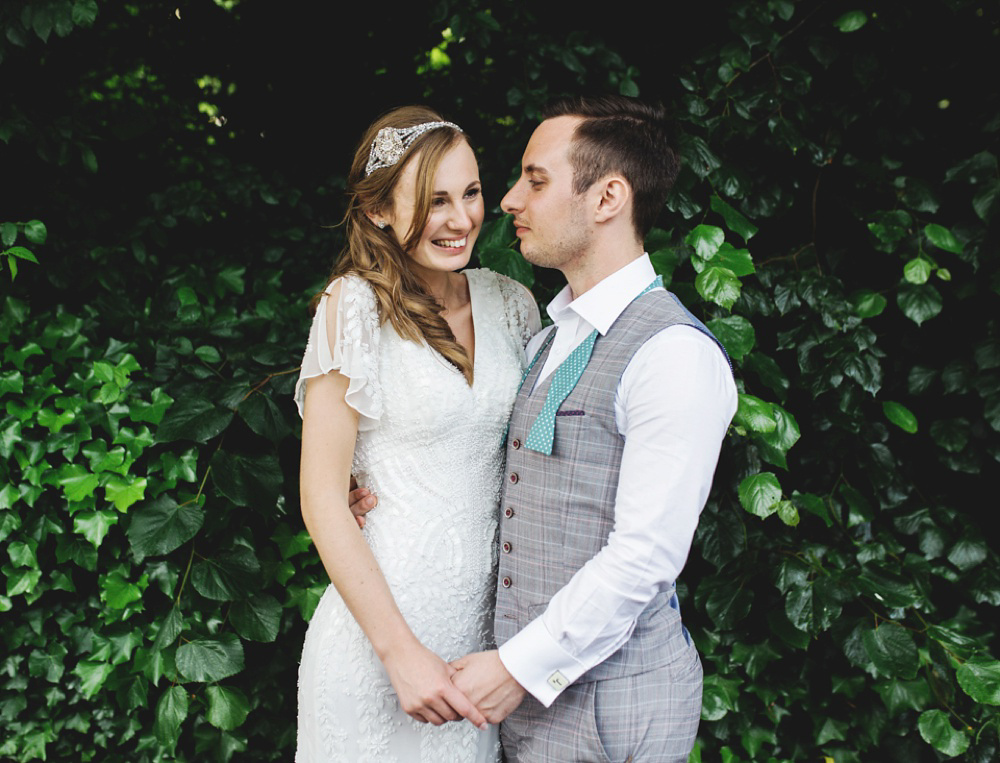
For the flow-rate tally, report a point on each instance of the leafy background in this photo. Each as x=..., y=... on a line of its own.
x=170, y=175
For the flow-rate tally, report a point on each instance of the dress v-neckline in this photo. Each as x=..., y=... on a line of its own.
x=474, y=310
x=475, y=323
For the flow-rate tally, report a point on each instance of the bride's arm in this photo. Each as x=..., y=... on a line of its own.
x=421, y=679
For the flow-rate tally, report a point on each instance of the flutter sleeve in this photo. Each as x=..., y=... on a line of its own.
x=346, y=341
x=520, y=309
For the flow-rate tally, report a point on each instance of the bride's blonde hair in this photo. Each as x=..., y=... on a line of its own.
x=376, y=255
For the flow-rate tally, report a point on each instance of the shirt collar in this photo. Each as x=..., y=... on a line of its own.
x=602, y=304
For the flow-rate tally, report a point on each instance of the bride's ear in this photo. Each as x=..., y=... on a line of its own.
x=377, y=218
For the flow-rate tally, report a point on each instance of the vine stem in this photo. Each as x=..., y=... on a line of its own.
x=187, y=572
x=268, y=378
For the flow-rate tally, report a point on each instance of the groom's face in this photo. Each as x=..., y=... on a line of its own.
x=550, y=219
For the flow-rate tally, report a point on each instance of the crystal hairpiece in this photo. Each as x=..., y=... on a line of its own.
x=391, y=143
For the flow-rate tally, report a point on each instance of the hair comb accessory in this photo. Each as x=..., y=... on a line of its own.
x=391, y=143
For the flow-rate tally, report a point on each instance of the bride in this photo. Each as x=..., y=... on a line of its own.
x=407, y=382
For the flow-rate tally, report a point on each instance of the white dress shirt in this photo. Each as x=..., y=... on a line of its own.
x=673, y=406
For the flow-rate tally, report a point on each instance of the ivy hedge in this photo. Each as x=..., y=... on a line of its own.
x=169, y=183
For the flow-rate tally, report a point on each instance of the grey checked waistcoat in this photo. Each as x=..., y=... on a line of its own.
x=557, y=511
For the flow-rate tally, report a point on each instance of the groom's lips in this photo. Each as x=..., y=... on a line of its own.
x=518, y=227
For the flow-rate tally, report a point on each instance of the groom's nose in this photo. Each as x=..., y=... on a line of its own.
x=511, y=202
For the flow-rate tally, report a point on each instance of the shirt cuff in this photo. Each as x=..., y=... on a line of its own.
x=538, y=663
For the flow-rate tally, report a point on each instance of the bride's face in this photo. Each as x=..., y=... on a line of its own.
x=456, y=211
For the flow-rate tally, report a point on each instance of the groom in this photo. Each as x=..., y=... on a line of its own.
x=612, y=446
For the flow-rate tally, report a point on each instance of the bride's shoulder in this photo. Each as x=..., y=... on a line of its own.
x=351, y=287
x=519, y=304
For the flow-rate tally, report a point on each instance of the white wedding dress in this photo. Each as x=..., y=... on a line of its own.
x=429, y=447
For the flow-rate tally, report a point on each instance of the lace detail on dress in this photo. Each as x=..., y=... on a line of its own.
x=354, y=351
x=520, y=309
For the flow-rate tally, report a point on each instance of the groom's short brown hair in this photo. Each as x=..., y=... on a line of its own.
x=623, y=135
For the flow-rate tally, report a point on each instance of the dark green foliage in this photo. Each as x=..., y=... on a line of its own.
x=834, y=223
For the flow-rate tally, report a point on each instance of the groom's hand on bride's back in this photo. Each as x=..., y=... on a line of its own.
x=361, y=500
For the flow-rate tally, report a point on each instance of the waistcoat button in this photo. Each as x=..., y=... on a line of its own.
x=513, y=478
x=506, y=547
x=516, y=444
x=508, y=512
x=506, y=582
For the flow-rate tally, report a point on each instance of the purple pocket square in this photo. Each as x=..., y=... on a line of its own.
x=570, y=413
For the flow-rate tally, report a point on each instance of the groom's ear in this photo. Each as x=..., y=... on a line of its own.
x=615, y=198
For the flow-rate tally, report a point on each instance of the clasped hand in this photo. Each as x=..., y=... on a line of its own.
x=483, y=678
x=423, y=682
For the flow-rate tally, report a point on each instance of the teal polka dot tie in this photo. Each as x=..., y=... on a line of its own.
x=564, y=381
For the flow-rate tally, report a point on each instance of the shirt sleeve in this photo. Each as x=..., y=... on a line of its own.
x=673, y=425
x=344, y=337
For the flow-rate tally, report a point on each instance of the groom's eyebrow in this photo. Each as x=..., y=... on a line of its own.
x=534, y=169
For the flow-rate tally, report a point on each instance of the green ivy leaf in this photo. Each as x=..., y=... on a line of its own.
x=21, y=253
x=851, y=21
x=228, y=576
x=153, y=411
x=193, y=419
x=900, y=415
x=94, y=525
x=736, y=334
x=48, y=662
x=230, y=279
x=968, y=552
x=775, y=444
x=759, y=494
x=170, y=628
x=210, y=659
x=171, y=710
x=892, y=650
x=161, y=526
x=705, y=240
x=726, y=599
x=35, y=231
x=735, y=220
x=257, y=618
x=917, y=270
x=737, y=260
x=77, y=483
x=227, y=708
x=21, y=581
x=247, y=480
x=787, y=513
x=755, y=414
x=868, y=303
x=664, y=262
x=720, y=695
x=92, y=675
x=936, y=729
x=22, y=555
x=942, y=238
x=987, y=201
x=124, y=491
x=118, y=592
x=264, y=417
x=8, y=233
x=919, y=303
x=814, y=505
x=697, y=155
x=979, y=677
x=719, y=285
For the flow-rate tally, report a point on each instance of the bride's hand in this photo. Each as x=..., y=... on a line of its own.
x=423, y=682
